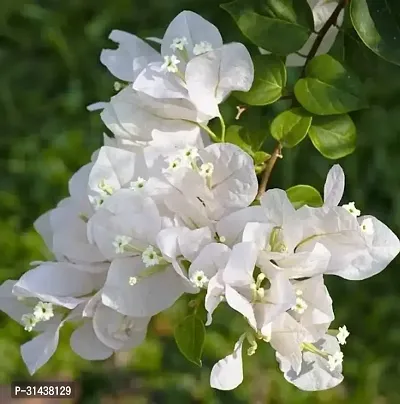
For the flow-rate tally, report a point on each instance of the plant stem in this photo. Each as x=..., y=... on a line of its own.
x=223, y=128
x=321, y=34
x=268, y=169
x=313, y=51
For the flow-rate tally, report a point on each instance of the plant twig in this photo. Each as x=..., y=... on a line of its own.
x=324, y=30
x=268, y=169
x=313, y=51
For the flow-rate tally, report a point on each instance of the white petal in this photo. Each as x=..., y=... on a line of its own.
x=36, y=352
x=43, y=226
x=107, y=324
x=158, y=83
x=240, y=267
x=277, y=207
x=314, y=374
x=57, y=279
x=231, y=226
x=130, y=58
x=85, y=343
x=287, y=337
x=211, y=259
x=191, y=242
x=227, y=373
x=315, y=294
x=114, y=166
x=127, y=118
x=9, y=303
x=211, y=77
x=234, y=183
x=194, y=28
x=149, y=296
x=215, y=290
x=241, y=304
x=334, y=186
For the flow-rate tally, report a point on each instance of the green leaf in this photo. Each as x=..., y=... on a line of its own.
x=291, y=127
x=269, y=81
x=279, y=26
x=333, y=136
x=377, y=22
x=301, y=195
x=251, y=134
x=374, y=71
x=189, y=336
x=328, y=88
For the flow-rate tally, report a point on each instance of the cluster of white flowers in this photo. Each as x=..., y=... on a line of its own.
x=158, y=213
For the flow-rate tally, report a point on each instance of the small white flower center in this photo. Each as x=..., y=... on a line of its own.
x=120, y=243
x=43, y=311
x=174, y=164
x=335, y=360
x=206, y=170
x=150, y=257
x=199, y=279
x=202, y=47
x=118, y=86
x=342, y=335
x=351, y=208
x=179, y=43
x=301, y=306
x=367, y=226
x=138, y=184
x=190, y=153
x=170, y=64
x=133, y=280
x=29, y=321
x=258, y=291
x=105, y=188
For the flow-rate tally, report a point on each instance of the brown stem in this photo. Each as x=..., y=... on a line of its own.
x=324, y=30
x=268, y=169
x=313, y=51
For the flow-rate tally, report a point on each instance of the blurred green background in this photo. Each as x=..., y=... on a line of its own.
x=49, y=72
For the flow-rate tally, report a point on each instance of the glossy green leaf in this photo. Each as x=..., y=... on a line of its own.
x=333, y=136
x=329, y=89
x=189, y=337
x=269, y=81
x=250, y=137
x=291, y=127
x=279, y=26
x=301, y=195
x=377, y=22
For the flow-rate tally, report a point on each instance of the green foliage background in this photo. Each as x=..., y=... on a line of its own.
x=49, y=72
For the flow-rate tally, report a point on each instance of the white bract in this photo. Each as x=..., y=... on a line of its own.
x=160, y=212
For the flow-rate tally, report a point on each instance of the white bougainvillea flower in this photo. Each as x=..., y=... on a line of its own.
x=205, y=272
x=212, y=76
x=64, y=229
x=147, y=278
x=230, y=185
x=131, y=119
x=360, y=247
x=194, y=29
x=130, y=58
x=106, y=331
x=320, y=367
x=277, y=229
x=227, y=374
x=204, y=71
x=259, y=300
x=45, y=317
x=60, y=283
x=313, y=309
